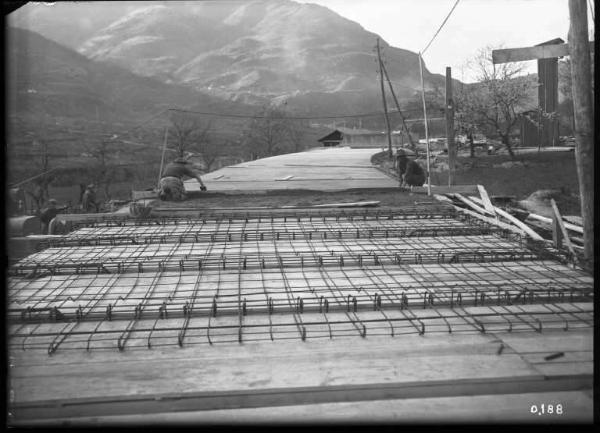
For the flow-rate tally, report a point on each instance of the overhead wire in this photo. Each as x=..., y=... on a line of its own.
x=249, y=116
x=440, y=28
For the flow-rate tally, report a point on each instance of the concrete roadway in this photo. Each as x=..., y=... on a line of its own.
x=320, y=169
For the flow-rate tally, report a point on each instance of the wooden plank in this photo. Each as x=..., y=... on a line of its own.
x=487, y=203
x=563, y=230
x=569, y=226
x=513, y=220
x=501, y=408
x=489, y=220
x=557, y=236
x=354, y=204
x=292, y=396
x=532, y=53
x=472, y=205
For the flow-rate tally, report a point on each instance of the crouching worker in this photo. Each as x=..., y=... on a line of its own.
x=171, y=183
x=414, y=174
x=48, y=215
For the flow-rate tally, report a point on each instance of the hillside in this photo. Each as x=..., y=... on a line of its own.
x=252, y=51
x=48, y=79
x=70, y=103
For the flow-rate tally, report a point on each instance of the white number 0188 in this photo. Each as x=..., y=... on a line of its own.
x=546, y=409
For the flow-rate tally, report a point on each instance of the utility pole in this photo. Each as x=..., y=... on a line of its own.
x=450, y=127
x=387, y=119
x=579, y=49
x=425, y=119
x=412, y=144
x=162, y=159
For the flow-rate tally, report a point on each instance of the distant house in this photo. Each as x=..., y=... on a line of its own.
x=332, y=139
x=357, y=137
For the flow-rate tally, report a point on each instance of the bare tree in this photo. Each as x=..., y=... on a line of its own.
x=106, y=154
x=211, y=150
x=296, y=131
x=188, y=131
x=267, y=134
x=493, y=103
x=38, y=188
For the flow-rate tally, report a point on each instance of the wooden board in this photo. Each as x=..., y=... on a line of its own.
x=473, y=205
x=561, y=225
x=486, y=200
x=532, y=53
x=547, y=220
x=513, y=220
x=576, y=407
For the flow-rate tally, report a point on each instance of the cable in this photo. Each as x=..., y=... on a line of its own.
x=34, y=177
x=243, y=116
x=115, y=136
x=444, y=22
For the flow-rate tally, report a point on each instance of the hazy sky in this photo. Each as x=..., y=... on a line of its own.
x=410, y=24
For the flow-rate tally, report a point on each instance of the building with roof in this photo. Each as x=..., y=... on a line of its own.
x=359, y=137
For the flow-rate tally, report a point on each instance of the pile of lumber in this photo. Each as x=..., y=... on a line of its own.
x=519, y=221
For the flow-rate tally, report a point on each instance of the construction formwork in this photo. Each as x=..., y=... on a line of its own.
x=239, y=277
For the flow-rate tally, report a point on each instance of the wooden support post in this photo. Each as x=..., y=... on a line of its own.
x=584, y=131
x=387, y=118
x=450, y=127
x=563, y=230
x=410, y=140
x=556, y=233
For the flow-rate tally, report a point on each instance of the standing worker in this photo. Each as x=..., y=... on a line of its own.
x=88, y=201
x=171, y=183
x=48, y=214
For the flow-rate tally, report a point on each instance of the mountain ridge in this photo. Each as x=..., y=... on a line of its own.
x=256, y=51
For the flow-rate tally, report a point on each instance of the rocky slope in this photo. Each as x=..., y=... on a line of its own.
x=254, y=51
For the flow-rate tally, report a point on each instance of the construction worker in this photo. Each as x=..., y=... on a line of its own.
x=171, y=183
x=48, y=214
x=88, y=201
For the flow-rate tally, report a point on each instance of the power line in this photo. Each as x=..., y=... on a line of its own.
x=247, y=116
x=442, y=25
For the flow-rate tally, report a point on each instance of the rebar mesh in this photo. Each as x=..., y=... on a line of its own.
x=241, y=279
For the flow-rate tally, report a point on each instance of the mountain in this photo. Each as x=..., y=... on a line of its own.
x=48, y=79
x=253, y=51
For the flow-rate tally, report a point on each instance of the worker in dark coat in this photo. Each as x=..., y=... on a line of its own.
x=415, y=175
x=88, y=201
x=401, y=161
x=49, y=213
x=171, y=183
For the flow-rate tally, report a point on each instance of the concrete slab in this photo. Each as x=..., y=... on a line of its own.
x=328, y=169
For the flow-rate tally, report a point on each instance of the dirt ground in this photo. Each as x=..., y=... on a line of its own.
x=297, y=198
x=519, y=177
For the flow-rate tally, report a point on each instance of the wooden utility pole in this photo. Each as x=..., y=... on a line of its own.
x=412, y=144
x=162, y=159
x=425, y=119
x=387, y=118
x=579, y=49
x=450, y=127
